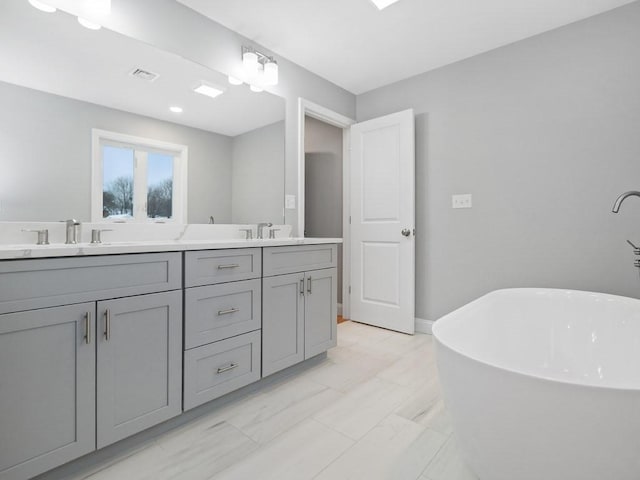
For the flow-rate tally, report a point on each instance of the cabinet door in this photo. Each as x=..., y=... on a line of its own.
x=282, y=322
x=139, y=364
x=47, y=389
x=321, y=310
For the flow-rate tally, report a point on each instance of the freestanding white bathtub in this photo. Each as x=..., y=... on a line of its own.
x=544, y=384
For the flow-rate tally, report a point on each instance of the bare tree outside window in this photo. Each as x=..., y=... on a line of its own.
x=117, y=197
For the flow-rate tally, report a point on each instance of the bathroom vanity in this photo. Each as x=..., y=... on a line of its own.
x=97, y=347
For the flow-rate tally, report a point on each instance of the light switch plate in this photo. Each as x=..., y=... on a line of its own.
x=461, y=201
x=290, y=202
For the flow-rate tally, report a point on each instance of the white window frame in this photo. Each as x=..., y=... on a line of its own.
x=180, y=159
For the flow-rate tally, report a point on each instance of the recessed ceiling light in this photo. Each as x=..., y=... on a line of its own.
x=88, y=24
x=235, y=80
x=176, y=109
x=383, y=3
x=42, y=6
x=208, y=90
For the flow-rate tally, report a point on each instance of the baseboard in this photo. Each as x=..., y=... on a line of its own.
x=424, y=326
x=340, y=309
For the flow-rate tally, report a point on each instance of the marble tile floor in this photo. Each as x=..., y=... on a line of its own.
x=371, y=410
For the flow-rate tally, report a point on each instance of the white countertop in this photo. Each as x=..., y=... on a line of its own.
x=111, y=248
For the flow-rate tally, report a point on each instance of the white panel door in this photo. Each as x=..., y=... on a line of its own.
x=382, y=222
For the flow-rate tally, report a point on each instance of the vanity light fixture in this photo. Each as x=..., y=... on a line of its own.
x=208, y=90
x=260, y=69
x=256, y=88
x=42, y=6
x=383, y=3
x=176, y=109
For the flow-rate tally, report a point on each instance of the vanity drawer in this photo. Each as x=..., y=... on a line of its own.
x=216, y=312
x=299, y=258
x=206, y=267
x=41, y=283
x=213, y=370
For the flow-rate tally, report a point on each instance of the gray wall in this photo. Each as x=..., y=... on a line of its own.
x=209, y=43
x=45, y=157
x=258, y=175
x=323, y=184
x=545, y=133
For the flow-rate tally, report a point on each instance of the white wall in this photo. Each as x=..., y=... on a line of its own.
x=258, y=175
x=45, y=157
x=323, y=184
x=171, y=26
x=545, y=133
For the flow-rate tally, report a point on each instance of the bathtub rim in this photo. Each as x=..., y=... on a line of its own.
x=574, y=383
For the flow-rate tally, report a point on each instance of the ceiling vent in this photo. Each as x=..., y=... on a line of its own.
x=144, y=74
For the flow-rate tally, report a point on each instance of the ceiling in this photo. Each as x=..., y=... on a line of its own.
x=356, y=46
x=54, y=54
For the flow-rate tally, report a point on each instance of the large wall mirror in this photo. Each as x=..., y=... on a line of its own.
x=61, y=82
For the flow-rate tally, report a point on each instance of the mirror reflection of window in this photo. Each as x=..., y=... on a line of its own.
x=143, y=180
x=159, y=185
x=117, y=182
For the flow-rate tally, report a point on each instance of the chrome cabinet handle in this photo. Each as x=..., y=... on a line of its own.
x=87, y=328
x=227, y=368
x=231, y=265
x=406, y=232
x=309, y=285
x=107, y=324
x=229, y=311
x=302, y=286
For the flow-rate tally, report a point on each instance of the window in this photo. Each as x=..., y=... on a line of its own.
x=137, y=179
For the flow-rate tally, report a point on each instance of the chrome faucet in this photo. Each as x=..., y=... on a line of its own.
x=73, y=231
x=622, y=198
x=261, y=226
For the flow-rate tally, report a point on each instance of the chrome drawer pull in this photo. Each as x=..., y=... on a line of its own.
x=87, y=328
x=227, y=312
x=231, y=265
x=226, y=369
x=302, y=286
x=309, y=285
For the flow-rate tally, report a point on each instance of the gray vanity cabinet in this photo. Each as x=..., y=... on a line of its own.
x=47, y=388
x=55, y=316
x=299, y=310
x=282, y=322
x=320, y=311
x=223, y=295
x=139, y=371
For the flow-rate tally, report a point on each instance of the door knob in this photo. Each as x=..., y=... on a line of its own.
x=406, y=232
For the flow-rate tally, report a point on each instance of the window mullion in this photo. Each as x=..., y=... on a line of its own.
x=140, y=186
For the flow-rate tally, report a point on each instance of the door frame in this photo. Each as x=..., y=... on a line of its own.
x=306, y=107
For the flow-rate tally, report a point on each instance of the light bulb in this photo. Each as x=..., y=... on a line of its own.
x=271, y=73
x=235, y=80
x=42, y=6
x=176, y=109
x=256, y=88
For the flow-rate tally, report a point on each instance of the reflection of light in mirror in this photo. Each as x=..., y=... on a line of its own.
x=208, y=90
x=256, y=88
x=87, y=24
x=176, y=109
x=42, y=6
x=235, y=80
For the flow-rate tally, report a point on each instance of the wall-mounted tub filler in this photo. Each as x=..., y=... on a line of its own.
x=622, y=198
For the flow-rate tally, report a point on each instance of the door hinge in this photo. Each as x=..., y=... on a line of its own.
x=349, y=289
x=349, y=219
